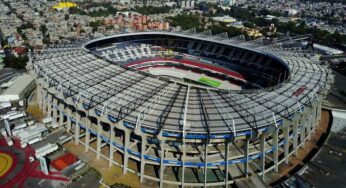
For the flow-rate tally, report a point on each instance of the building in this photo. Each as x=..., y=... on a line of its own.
x=324, y=49
x=339, y=120
x=64, y=5
x=187, y=133
x=32, y=132
x=188, y=4
x=229, y=2
x=21, y=88
x=225, y=19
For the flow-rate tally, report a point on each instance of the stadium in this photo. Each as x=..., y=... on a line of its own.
x=184, y=108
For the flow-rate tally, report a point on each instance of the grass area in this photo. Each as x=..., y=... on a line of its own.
x=209, y=82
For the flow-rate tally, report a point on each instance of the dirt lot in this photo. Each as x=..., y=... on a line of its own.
x=34, y=110
x=111, y=175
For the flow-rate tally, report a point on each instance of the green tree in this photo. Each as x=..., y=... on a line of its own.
x=186, y=21
x=43, y=28
x=146, y=10
x=16, y=62
x=95, y=25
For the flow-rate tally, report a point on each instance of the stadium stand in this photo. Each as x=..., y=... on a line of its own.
x=213, y=136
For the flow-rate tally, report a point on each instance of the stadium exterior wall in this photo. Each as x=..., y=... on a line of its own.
x=215, y=158
x=277, y=143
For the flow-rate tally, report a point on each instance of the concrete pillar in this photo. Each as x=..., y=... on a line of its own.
x=39, y=95
x=275, y=144
x=302, y=131
x=295, y=137
x=319, y=109
x=98, y=142
x=111, y=146
x=69, y=121
x=246, y=155
x=309, y=126
x=77, y=128
x=205, y=164
x=263, y=156
x=162, y=165
x=44, y=101
x=50, y=104
x=226, y=163
x=314, y=120
x=87, y=134
x=55, y=110
x=183, y=164
x=61, y=115
x=126, y=153
x=287, y=142
x=143, y=148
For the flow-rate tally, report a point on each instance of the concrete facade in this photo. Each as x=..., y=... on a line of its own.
x=274, y=146
x=177, y=133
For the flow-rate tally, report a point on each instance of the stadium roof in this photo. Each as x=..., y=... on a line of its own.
x=105, y=87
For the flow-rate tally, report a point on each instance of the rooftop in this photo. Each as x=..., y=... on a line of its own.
x=19, y=84
x=20, y=87
x=32, y=131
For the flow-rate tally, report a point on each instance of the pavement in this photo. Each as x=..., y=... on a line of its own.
x=111, y=175
x=90, y=179
x=327, y=169
x=43, y=183
x=335, y=99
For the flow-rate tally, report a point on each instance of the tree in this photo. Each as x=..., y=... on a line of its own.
x=43, y=28
x=186, y=21
x=248, y=24
x=3, y=42
x=76, y=10
x=46, y=39
x=146, y=10
x=16, y=62
x=95, y=25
